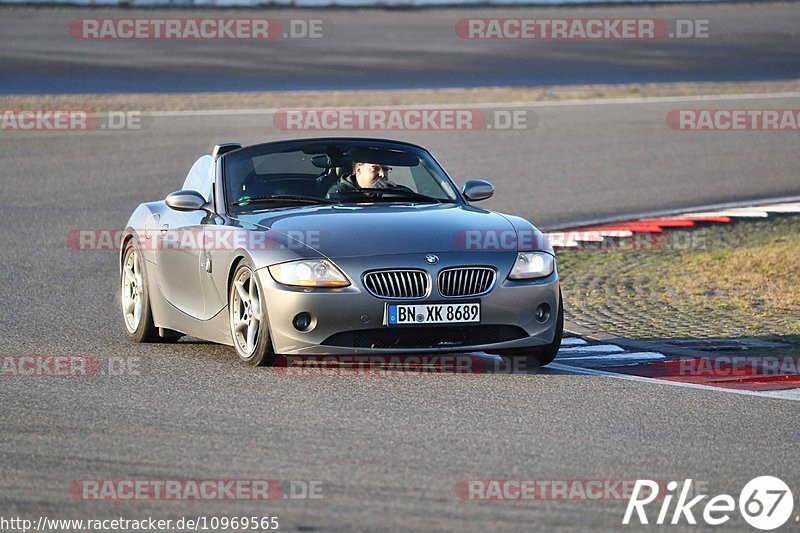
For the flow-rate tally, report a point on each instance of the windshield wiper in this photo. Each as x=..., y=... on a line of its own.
x=406, y=194
x=285, y=198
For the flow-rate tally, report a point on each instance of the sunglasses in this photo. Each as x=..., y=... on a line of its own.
x=376, y=168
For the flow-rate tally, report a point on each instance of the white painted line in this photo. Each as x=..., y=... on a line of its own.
x=559, y=103
x=594, y=349
x=575, y=236
x=603, y=365
x=618, y=233
x=697, y=216
x=793, y=207
x=744, y=212
x=791, y=394
x=748, y=212
x=572, y=341
x=647, y=100
x=572, y=239
x=788, y=394
x=625, y=357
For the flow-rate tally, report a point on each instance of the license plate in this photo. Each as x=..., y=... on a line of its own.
x=398, y=314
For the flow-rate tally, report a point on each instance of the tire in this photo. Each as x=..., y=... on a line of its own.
x=135, y=298
x=247, y=317
x=544, y=355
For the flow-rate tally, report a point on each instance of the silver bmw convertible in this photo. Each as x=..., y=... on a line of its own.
x=337, y=246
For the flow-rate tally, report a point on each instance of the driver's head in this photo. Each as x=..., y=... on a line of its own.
x=368, y=173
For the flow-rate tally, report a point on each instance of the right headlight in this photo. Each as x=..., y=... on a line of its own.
x=309, y=273
x=530, y=265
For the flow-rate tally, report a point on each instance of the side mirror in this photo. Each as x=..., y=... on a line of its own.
x=186, y=201
x=477, y=190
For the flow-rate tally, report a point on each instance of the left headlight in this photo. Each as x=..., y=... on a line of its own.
x=531, y=265
x=309, y=273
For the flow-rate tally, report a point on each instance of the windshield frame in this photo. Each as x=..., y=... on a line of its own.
x=349, y=142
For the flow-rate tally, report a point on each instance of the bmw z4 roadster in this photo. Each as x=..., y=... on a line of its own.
x=337, y=246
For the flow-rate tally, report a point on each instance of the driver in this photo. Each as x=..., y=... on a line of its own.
x=364, y=176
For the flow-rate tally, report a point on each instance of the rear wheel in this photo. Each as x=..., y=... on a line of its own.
x=248, y=318
x=543, y=355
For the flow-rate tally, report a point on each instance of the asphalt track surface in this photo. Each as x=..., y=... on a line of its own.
x=381, y=49
x=388, y=450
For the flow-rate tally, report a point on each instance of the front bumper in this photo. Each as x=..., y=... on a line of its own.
x=507, y=312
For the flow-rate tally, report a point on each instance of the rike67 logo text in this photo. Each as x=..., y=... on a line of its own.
x=765, y=503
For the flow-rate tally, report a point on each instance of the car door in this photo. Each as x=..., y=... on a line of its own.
x=181, y=254
x=220, y=244
x=222, y=236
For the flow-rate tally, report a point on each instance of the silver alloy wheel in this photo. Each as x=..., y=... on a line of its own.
x=245, y=312
x=132, y=287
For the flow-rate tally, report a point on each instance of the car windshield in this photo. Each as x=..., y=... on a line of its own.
x=277, y=175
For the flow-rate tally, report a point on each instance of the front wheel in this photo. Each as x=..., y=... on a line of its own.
x=248, y=317
x=135, y=299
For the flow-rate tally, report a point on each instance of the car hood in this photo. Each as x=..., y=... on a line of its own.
x=349, y=231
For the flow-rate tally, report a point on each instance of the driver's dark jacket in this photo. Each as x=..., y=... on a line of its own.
x=343, y=185
x=348, y=183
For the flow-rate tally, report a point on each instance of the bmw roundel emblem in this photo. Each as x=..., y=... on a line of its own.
x=431, y=259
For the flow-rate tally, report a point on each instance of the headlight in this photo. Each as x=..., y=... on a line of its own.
x=309, y=273
x=531, y=265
